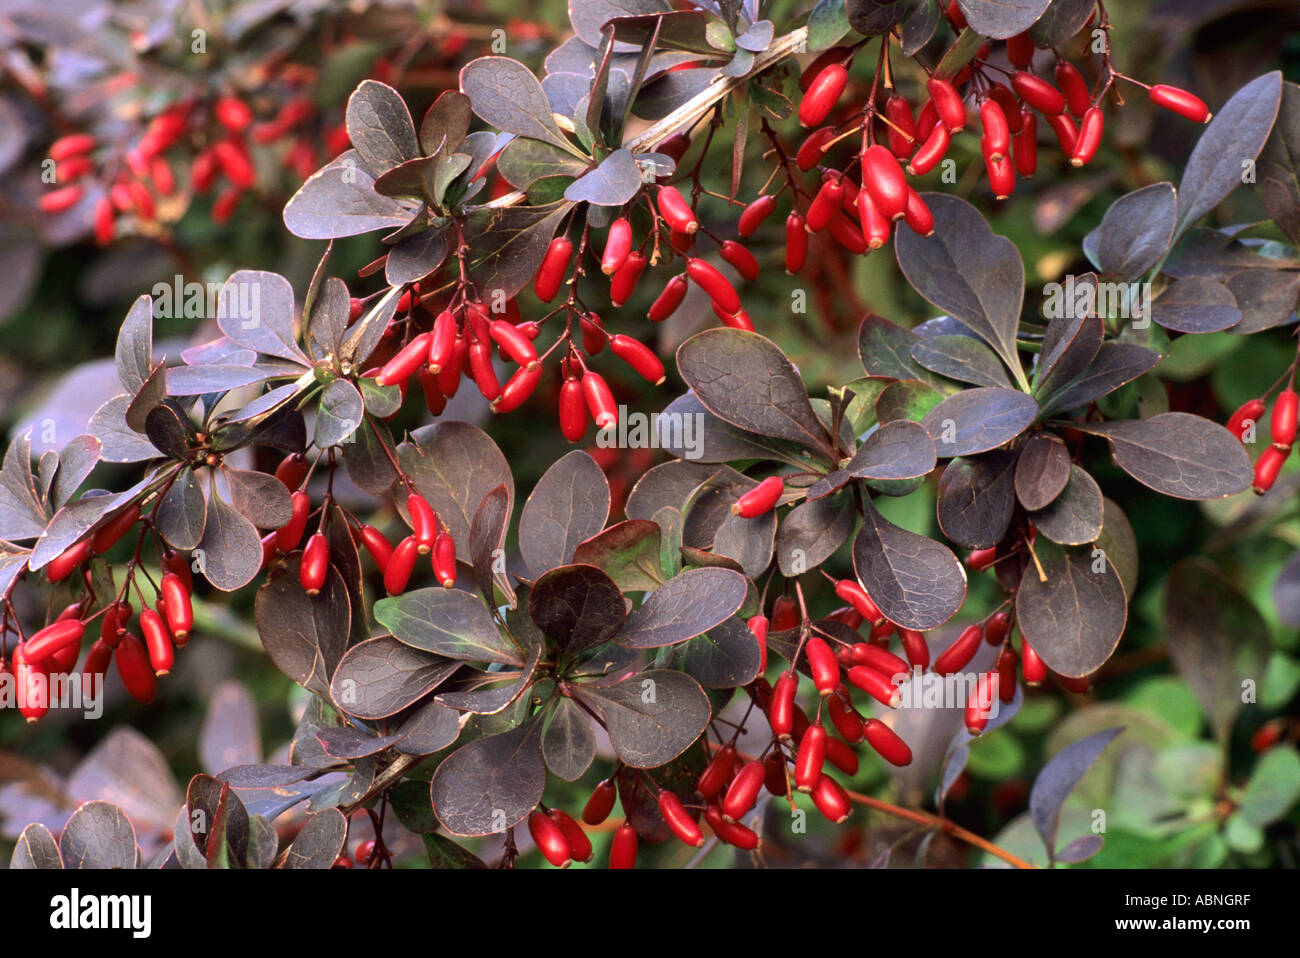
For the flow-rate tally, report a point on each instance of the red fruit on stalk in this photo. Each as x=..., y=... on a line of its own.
x=593, y=334
x=1268, y=466
x=823, y=93
x=516, y=390
x=882, y=660
x=875, y=227
x=883, y=178
x=235, y=164
x=666, y=302
x=54, y=638
x=856, y=596
x=844, y=716
x=180, y=610
x=72, y=169
x=831, y=799
x=1006, y=668
x=444, y=560
x=600, y=401
x=1089, y=139
x=677, y=213
x=97, y=661
x=823, y=60
x=785, y=613
x=754, y=215
x=1285, y=408
x=315, y=564
x=289, y=535
x=105, y=221
x=980, y=703
x=796, y=243
x=733, y=833
x=810, y=758
x=1010, y=106
x=1024, y=148
x=400, y=566
x=982, y=559
x=737, y=320
x=740, y=259
x=1241, y=421
x=824, y=206
x=639, y=356
x=32, y=683
x=1038, y=93
x=903, y=139
x=947, y=104
x=813, y=147
x=679, y=819
x=549, y=838
x=823, y=665
x=233, y=113
x=760, y=500
x=555, y=265
x=917, y=214
x=780, y=711
x=1031, y=666
x=111, y=532
x=407, y=360
x=579, y=843
x=958, y=655
x=157, y=641
x=600, y=804
x=887, y=743
x=997, y=133
x=377, y=544
x=625, y=279
x=1067, y=134
x=573, y=410
x=758, y=626
x=743, y=791
x=622, y=850
x=876, y=684
x=915, y=647
x=224, y=207
x=996, y=627
x=717, y=773
x=774, y=779
x=1180, y=102
x=1077, y=96
x=292, y=470
x=1002, y=177
x=841, y=756
x=618, y=245
x=716, y=286
x=64, y=198
x=61, y=566
x=514, y=343
x=74, y=144
x=1020, y=50
x=482, y=370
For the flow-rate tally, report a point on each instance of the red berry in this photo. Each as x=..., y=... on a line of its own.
x=679, y=819
x=902, y=133
x=617, y=246
x=1180, y=102
x=676, y=211
x=407, y=360
x=1285, y=408
x=1020, y=50
x=824, y=206
x=573, y=410
x=1067, y=134
x=1090, y=130
x=844, y=716
x=600, y=804
x=377, y=544
x=758, y=627
x=180, y=610
x=856, y=596
x=780, y=711
x=1077, y=96
x=667, y=301
x=555, y=265
x=774, y=779
x=158, y=641
x=1246, y=417
x=600, y=401
x=233, y=113
x=639, y=356
x=813, y=147
x=743, y=791
x=235, y=164
x=915, y=647
x=980, y=703
x=876, y=684
x=517, y=389
x=1031, y=666
x=514, y=343
x=1268, y=466
x=882, y=660
x=755, y=213
x=997, y=134
x=289, y=535
x=717, y=773
x=1010, y=106
x=292, y=470
x=622, y=850
x=875, y=227
x=740, y=259
x=1006, y=667
x=625, y=279
x=716, y=286
x=32, y=682
x=64, y=198
x=579, y=843
x=549, y=838
x=444, y=560
x=785, y=613
x=398, y=572
x=958, y=655
x=917, y=214
x=796, y=243
x=887, y=742
x=61, y=566
x=1002, y=177
x=54, y=638
x=823, y=93
x=74, y=144
x=996, y=628
x=315, y=564
x=884, y=180
x=760, y=500
x=1038, y=93
x=732, y=833
x=1025, y=145
x=810, y=758
x=831, y=799
x=824, y=666
x=111, y=532
x=947, y=103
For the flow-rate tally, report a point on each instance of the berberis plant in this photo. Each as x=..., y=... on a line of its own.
x=687, y=660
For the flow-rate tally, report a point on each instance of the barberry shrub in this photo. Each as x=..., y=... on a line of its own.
x=676, y=647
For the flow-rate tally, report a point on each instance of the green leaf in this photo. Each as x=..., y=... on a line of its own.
x=447, y=622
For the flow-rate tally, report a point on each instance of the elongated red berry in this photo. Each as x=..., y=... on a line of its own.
x=407, y=360
x=32, y=686
x=887, y=743
x=74, y=144
x=1067, y=134
x=1285, y=408
x=235, y=163
x=600, y=804
x=754, y=215
x=622, y=850
x=740, y=259
x=401, y=565
x=377, y=544
x=573, y=410
x=917, y=214
x=315, y=564
x=743, y=791
x=760, y=500
x=1031, y=666
x=733, y=833
x=679, y=820
x=111, y=532
x=1020, y=50
x=157, y=640
x=618, y=244
x=233, y=113
x=884, y=180
x=600, y=401
x=997, y=133
x=958, y=655
x=1004, y=98
x=1180, y=102
x=758, y=627
x=549, y=838
x=64, y=198
x=444, y=560
x=289, y=535
x=639, y=356
x=824, y=206
x=1268, y=466
x=555, y=266
x=856, y=596
x=915, y=647
x=625, y=279
x=882, y=660
x=1024, y=147
x=980, y=704
x=1002, y=177
x=831, y=799
x=810, y=758
x=718, y=773
x=1243, y=421
x=514, y=343
x=1074, y=87
x=875, y=227
x=1038, y=93
x=292, y=470
x=796, y=243
x=1006, y=668
x=996, y=627
x=92, y=672
x=677, y=213
x=55, y=637
x=482, y=370
x=902, y=132
x=876, y=684
x=780, y=711
x=774, y=778
x=579, y=843
x=813, y=148
x=822, y=663
x=947, y=103
x=517, y=389
x=823, y=93
x=666, y=302
x=716, y=286
x=180, y=609
x=1089, y=139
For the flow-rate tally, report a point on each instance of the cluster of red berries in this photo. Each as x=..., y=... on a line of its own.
x=54, y=650
x=1282, y=426
x=214, y=136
